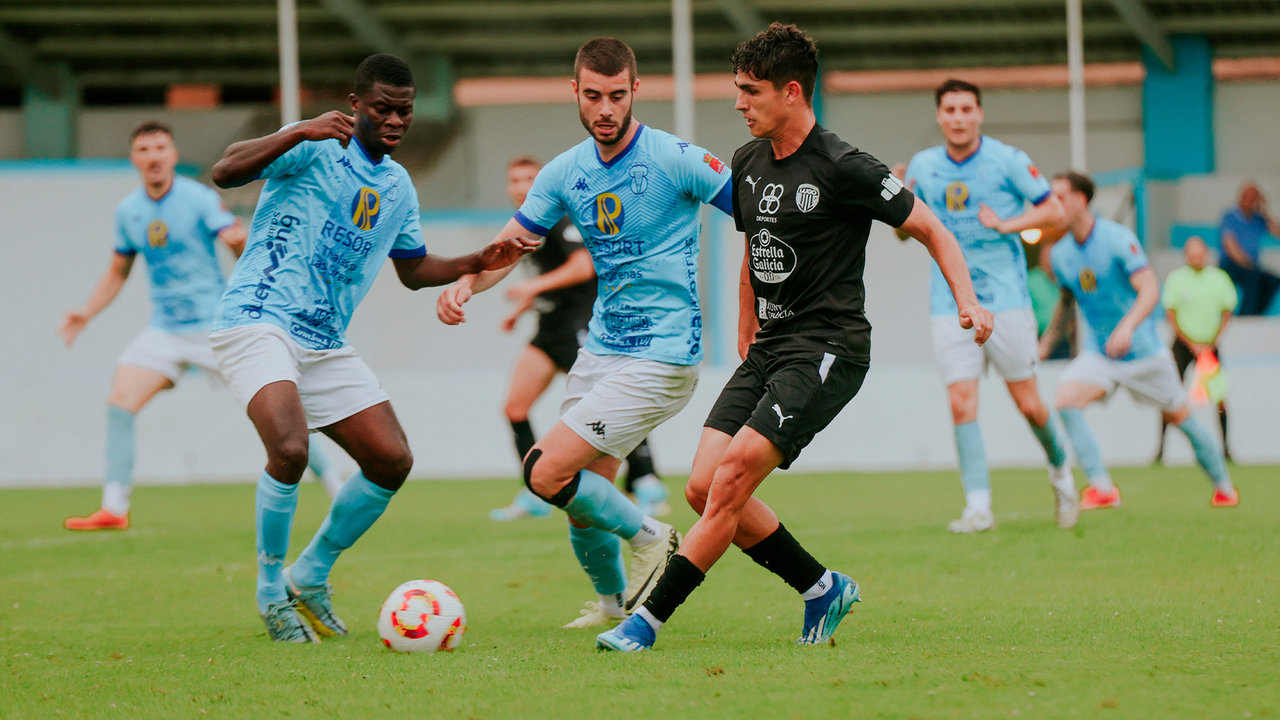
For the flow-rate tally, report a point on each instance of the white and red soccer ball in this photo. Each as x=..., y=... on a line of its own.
x=422, y=616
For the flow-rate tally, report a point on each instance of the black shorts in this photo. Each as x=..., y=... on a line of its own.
x=560, y=334
x=786, y=396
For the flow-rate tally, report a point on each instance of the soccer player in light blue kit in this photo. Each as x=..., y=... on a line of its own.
x=175, y=223
x=979, y=186
x=334, y=206
x=1100, y=266
x=635, y=193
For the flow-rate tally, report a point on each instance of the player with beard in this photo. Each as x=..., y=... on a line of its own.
x=635, y=193
x=805, y=200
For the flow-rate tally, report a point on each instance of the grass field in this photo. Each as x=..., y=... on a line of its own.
x=1161, y=609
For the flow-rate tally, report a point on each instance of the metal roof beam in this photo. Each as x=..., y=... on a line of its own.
x=744, y=18
x=1144, y=25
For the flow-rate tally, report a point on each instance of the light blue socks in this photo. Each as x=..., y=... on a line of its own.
x=357, y=506
x=973, y=466
x=601, y=505
x=274, y=504
x=1086, y=448
x=600, y=554
x=317, y=457
x=118, y=480
x=1051, y=441
x=1207, y=453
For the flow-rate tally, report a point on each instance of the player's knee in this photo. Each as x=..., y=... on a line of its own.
x=964, y=407
x=695, y=492
x=1032, y=408
x=1176, y=417
x=542, y=481
x=287, y=459
x=390, y=469
x=515, y=412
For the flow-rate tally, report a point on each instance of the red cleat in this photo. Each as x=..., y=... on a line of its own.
x=1225, y=498
x=101, y=520
x=1094, y=499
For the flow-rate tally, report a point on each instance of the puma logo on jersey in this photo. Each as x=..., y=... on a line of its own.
x=752, y=182
x=781, y=418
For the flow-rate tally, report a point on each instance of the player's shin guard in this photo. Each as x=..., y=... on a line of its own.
x=118, y=481
x=1207, y=453
x=1051, y=440
x=358, y=505
x=1085, y=447
x=600, y=554
x=973, y=465
x=601, y=505
x=674, y=587
x=781, y=554
x=274, y=503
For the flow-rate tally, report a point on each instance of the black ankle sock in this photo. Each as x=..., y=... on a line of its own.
x=639, y=464
x=780, y=554
x=523, y=433
x=673, y=588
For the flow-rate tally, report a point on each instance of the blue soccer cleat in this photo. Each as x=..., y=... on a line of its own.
x=823, y=614
x=315, y=605
x=633, y=635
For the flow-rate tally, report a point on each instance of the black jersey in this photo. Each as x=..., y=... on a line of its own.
x=807, y=217
x=556, y=248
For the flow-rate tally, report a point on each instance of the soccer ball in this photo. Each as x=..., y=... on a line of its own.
x=422, y=616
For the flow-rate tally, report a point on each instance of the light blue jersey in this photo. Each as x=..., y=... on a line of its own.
x=177, y=234
x=1001, y=177
x=638, y=215
x=327, y=218
x=1097, y=273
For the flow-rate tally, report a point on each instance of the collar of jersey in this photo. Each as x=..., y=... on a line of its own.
x=625, y=150
x=166, y=194
x=1092, y=231
x=972, y=155
x=355, y=141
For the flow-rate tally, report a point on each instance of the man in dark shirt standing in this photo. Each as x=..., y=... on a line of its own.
x=805, y=200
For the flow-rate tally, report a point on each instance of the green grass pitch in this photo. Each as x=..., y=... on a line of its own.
x=1163, y=608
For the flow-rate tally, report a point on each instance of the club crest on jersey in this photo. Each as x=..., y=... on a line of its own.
x=772, y=260
x=714, y=163
x=608, y=214
x=806, y=197
x=364, y=208
x=157, y=233
x=771, y=198
x=639, y=179
x=957, y=196
x=1088, y=280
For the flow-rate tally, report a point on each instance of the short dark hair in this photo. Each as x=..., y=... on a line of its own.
x=523, y=161
x=779, y=54
x=607, y=56
x=1079, y=182
x=956, y=85
x=148, y=127
x=382, y=68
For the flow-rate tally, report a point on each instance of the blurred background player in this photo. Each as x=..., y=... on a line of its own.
x=1242, y=230
x=805, y=200
x=979, y=186
x=562, y=294
x=1198, y=300
x=1101, y=267
x=334, y=207
x=637, y=193
x=175, y=223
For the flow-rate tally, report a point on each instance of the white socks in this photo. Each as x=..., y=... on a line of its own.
x=819, y=588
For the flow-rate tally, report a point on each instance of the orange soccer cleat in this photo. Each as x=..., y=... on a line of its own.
x=103, y=519
x=1225, y=498
x=1094, y=499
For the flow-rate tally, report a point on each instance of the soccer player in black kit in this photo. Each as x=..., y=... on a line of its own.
x=805, y=200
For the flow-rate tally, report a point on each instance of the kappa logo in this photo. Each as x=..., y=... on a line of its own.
x=781, y=418
x=771, y=198
x=752, y=182
x=581, y=185
x=806, y=197
x=597, y=427
x=639, y=179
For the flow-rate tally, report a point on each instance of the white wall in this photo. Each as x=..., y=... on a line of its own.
x=447, y=384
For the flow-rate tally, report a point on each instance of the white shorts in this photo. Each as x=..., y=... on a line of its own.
x=1153, y=380
x=1012, y=348
x=333, y=384
x=170, y=353
x=614, y=401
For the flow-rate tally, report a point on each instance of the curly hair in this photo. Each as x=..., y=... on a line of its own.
x=780, y=54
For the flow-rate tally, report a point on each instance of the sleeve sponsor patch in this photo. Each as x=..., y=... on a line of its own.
x=714, y=163
x=1035, y=171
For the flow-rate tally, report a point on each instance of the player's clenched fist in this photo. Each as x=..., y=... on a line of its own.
x=449, y=304
x=980, y=319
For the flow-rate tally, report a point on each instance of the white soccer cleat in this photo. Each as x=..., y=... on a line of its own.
x=972, y=521
x=591, y=616
x=647, y=565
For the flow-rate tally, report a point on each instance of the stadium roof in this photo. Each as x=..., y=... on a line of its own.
x=132, y=50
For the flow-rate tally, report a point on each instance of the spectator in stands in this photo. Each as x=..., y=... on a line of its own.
x=1243, y=228
x=1198, y=301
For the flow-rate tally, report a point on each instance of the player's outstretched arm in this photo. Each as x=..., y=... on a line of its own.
x=449, y=304
x=1048, y=214
x=748, y=322
x=432, y=271
x=1144, y=281
x=1057, y=326
x=924, y=226
x=75, y=320
x=243, y=161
